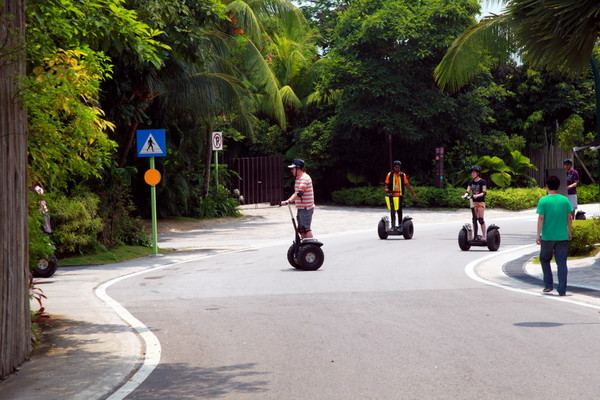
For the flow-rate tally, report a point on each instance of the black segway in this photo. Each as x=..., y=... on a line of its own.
x=466, y=239
x=387, y=226
x=305, y=254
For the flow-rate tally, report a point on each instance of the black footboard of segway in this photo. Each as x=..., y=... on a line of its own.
x=312, y=241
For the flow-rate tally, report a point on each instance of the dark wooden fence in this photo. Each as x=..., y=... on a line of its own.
x=550, y=157
x=260, y=179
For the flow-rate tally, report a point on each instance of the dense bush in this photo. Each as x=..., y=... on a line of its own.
x=450, y=197
x=514, y=198
x=75, y=223
x=586, y=233
x=218, y=204
x=588, y=194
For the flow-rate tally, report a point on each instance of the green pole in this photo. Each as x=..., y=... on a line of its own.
x=597, y=85
x=153, y=206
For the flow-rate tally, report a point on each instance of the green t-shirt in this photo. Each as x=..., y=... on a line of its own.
x=555, y=208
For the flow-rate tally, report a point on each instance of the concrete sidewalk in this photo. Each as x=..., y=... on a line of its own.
x=90, y=352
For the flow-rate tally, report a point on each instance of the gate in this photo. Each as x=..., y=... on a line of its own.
x=260, y=179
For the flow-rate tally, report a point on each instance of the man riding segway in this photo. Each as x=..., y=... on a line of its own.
x=395, y=182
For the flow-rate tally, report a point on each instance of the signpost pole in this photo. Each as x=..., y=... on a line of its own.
x=217, y=168
x=153, y=206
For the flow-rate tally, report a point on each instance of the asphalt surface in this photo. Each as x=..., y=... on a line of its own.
x=91, y=352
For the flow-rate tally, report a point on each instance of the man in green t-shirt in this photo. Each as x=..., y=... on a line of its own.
x=553, y=234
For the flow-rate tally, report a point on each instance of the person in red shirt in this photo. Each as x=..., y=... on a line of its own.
x=303, y=197
x=395, y=181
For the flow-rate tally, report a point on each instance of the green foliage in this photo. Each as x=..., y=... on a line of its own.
x=218, y=204
x=586, y=233
x=360, y=196
x=67, y=132
x=117, y=210
x=103, y=25
x=495, y=168
x=514, y=198
x=381, y=64
x=75, y=223
x=569, y=134
x=512, y=172
x=588, y=194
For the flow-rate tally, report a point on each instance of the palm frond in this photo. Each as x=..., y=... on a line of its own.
x=266, y=82
x=556, y=34
x=246, y=19
x=289, y=98
x=470, y=53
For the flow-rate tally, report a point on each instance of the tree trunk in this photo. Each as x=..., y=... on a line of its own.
x=15, y=336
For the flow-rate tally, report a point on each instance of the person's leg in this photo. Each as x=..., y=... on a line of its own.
x=546, y=250
x=573, y=200
x=561, y=251
x=304, y=223
x=475, y=226
x=400, y=204
x=481, y=221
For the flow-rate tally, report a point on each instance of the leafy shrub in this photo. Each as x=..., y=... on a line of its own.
x=588, y=194
x=514, y=198
x=361, y=196
x=218, y=204
x=75, y=223
x=586, y=233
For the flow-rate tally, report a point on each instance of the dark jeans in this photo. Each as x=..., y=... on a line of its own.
x=560, y=250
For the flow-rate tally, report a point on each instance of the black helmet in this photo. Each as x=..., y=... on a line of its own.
x=297, y=164
x=476, y=168
x=568, y=161
x=397, y=162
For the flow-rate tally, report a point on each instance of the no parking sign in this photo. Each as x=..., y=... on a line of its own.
x=217, y=141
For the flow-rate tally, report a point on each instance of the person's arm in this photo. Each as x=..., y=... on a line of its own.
x=464, y=196
x=575, y=182
x=540, y=224
x=386, y=186
x=483, y=190
x=570, y=225
x=414, y=195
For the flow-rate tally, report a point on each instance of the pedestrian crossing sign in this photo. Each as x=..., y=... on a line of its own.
x=151, y=143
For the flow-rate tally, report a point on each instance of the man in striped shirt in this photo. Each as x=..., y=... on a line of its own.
x=303, y=197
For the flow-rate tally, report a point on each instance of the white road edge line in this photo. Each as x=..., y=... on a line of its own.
x=152, y=344
x=470, y=272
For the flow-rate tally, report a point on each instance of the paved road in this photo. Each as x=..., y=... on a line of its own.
x=390, y=319
x=244, y=325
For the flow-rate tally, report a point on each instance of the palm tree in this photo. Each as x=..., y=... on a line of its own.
x=558, y=35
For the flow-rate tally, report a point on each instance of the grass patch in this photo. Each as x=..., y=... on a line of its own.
x=536, y=259
x=114, y=255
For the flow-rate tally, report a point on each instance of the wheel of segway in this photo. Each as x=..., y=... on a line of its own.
x=291, y=259
x=493, y=240
x=45, y=268
x=463, y=240
x=408, y=229
x=382, y=230
x=310, y=257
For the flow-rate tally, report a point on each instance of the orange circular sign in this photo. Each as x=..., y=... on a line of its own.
x=152, y=177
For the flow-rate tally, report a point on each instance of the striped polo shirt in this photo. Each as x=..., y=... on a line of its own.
x=304, y=184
